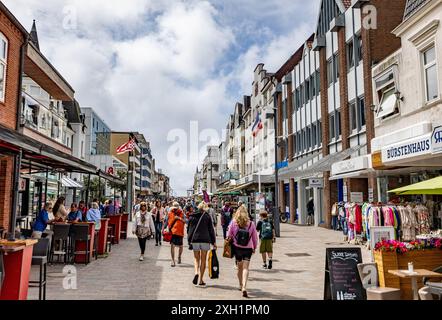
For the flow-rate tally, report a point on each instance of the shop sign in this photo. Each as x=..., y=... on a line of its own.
x=376, y=160
x=357, y=197
x=110, y=171
x=316, y=183
x=436, y=140
x=355, y=164
x=22, y=186
x=342, y=281
x=408, y=149
x=345, y=191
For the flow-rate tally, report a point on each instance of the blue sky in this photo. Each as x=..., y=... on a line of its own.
x=154, y=66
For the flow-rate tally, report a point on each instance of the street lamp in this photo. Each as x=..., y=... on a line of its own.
x=278, y=90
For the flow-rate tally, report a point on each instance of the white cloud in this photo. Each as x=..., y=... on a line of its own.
x=152, y=66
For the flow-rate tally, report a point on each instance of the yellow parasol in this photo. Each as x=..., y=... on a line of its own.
x=432, y=186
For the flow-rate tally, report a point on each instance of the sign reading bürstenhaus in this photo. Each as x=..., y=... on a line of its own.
x=436, y=140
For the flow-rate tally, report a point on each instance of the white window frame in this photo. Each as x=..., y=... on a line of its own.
x=425, y=67
x=4, y=62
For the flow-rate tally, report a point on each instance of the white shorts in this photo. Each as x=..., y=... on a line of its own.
x=201, y=246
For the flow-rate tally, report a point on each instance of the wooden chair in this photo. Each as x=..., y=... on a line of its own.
x=368, y=273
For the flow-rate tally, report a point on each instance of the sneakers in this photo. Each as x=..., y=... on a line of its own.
x=270, y=264
x=156, y=244
x=244, y=294
x=264, y=266
x=141, y=258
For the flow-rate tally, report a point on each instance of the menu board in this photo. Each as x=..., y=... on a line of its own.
x=342, y=281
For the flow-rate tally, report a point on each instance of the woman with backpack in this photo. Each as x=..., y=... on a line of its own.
x=267, y=238
x=200, y=236
x=143, y=227
x=242, y=232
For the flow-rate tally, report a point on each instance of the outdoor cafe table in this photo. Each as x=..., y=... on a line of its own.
x=102, y=236
x=17, y=259
x=81, y=245
x=418, y=273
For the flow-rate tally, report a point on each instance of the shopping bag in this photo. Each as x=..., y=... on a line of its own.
x=213, y=265
x=227, y=252
x=167, y=235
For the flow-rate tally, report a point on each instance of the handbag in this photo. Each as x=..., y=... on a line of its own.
x=227, y=250
x=167, y=234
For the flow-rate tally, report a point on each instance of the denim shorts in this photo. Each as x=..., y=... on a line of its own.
x=201, y=246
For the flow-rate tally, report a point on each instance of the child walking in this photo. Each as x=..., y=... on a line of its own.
x=267, y=238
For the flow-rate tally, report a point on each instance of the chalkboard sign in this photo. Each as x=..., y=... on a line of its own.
x=342, y=281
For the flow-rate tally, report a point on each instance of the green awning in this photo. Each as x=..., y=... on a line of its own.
x=429, y=187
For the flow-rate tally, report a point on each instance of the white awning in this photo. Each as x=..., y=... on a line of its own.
x=69, y=183
x=354, y=174
x=388, y=104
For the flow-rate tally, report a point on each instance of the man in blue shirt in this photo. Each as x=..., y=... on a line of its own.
x=41, y=222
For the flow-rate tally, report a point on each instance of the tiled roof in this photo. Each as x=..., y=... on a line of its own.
x=347, y=3
x=413, y=6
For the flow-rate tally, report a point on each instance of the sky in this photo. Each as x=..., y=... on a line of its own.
x=160, y=67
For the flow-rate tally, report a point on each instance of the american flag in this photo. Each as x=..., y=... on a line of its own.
x=127, y=147
x=257, y=126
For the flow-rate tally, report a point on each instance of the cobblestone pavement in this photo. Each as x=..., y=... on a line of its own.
x=298, y=273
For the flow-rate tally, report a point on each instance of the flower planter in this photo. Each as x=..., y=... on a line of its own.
x=422, y=259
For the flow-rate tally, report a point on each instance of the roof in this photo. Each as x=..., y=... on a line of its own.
x=346, y=3
x=413, y=6
x=292, y=61
x=14, y=20
x=34, y=36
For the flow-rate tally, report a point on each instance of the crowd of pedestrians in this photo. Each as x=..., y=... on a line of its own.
x=169, y=221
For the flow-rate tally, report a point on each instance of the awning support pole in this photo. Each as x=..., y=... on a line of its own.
x=58, y=185
x=87, y=190
x=13, y=221
x=99, y=188
x=46, y=186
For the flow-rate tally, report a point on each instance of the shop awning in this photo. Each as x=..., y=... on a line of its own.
x=429, y=187
x=41, y=154
x=110, y=178
x=355, y=174
x=326, y=163
x=294, y=166
x=69, y=183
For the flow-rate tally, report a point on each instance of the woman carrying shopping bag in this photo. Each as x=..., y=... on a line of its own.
x=144, y=227
x=200, y=236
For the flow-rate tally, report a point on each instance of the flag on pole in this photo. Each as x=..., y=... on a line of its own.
x=127, y=147
x=206, y=196
x=257, y=126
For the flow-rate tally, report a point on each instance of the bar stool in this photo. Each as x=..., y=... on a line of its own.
x=96, y=244
x=60, y=237
x=40, y=258
x=112, y=234
x=80, y=232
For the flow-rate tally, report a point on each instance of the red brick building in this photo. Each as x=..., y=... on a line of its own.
x=12, y=40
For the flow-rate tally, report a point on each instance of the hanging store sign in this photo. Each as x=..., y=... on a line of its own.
x=436, y=140
x=22, y=185
x=407, y=149
x=316, y=183
x=357, y=197
x=370, y=195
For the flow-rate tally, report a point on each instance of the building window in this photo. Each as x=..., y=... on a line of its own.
x=350, y=55
x=3, y=65
x=353, y=116
x=385, y=88
x=362, y=111
x=318, y=82
x=307, y=90
x=430, y=74
x=332, y=126
x=309, y=138
x=330, y=72
x=336, y=67
x=297, y=99
x=338, y=116
x=359, y=48
x=314, y=136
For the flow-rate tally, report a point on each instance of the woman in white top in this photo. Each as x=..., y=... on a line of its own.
x=144, y=227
